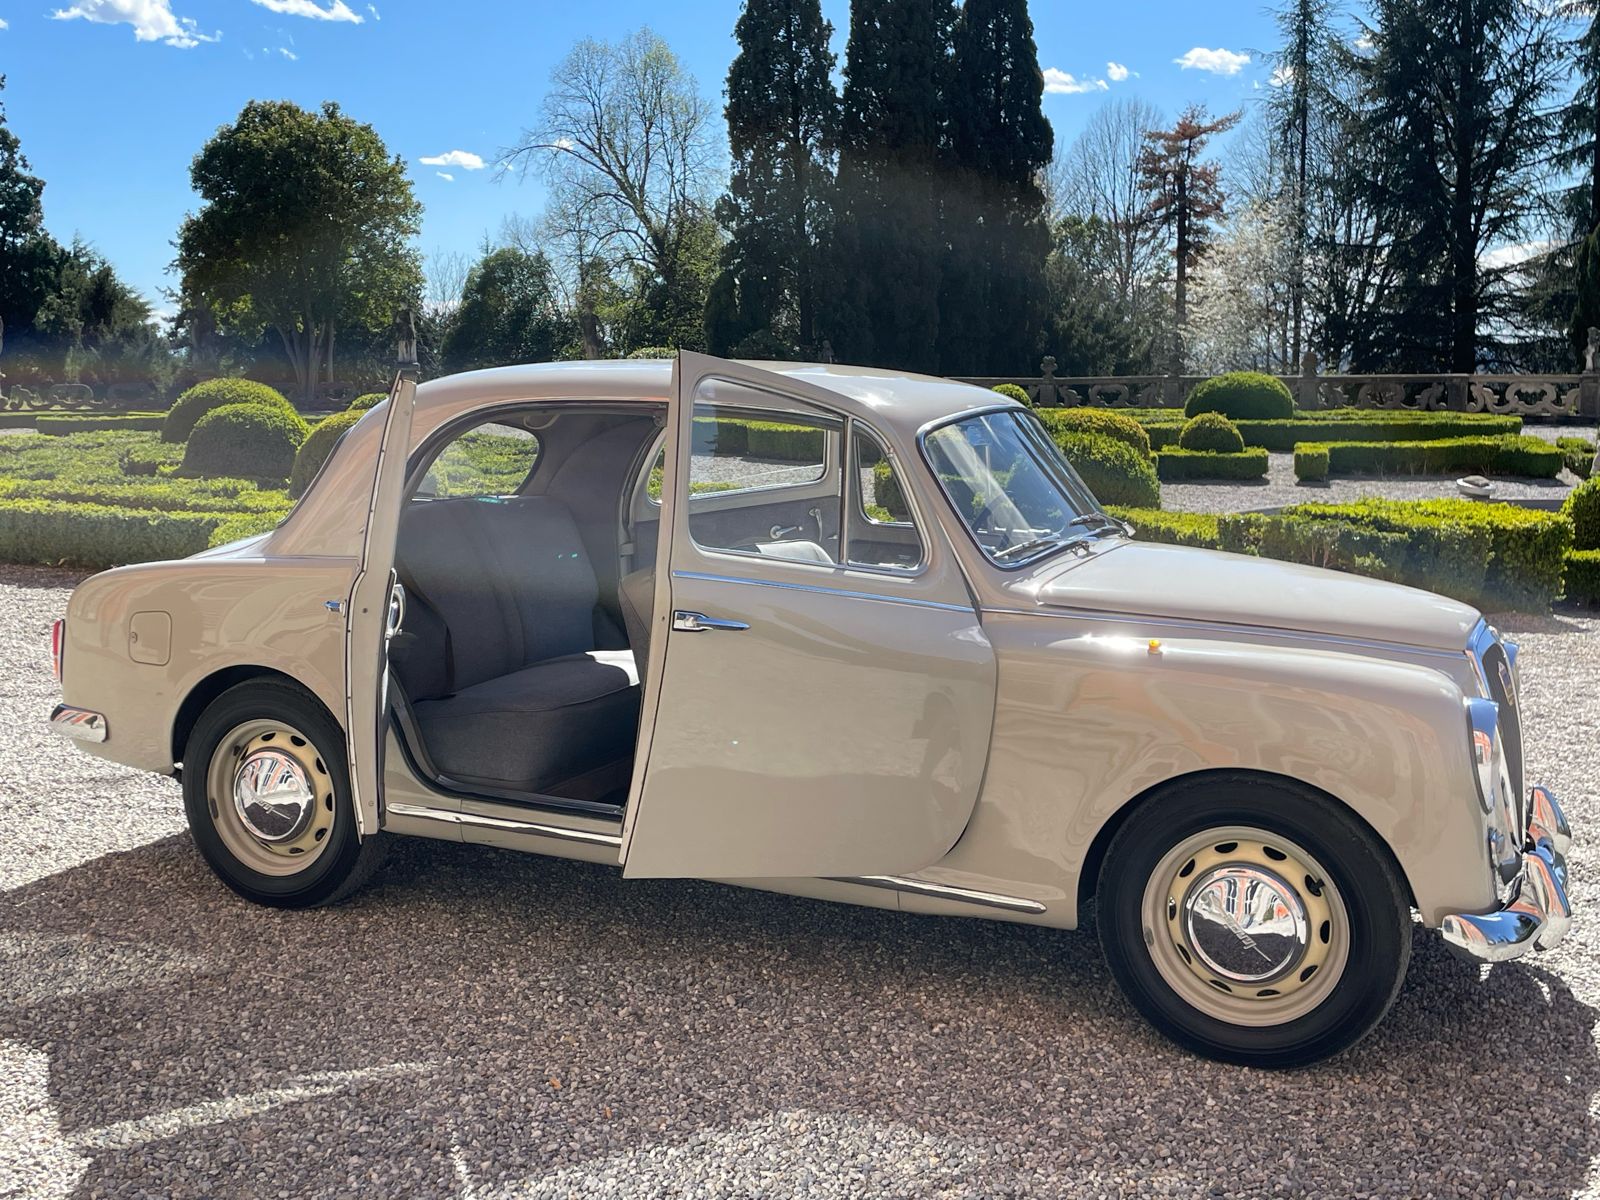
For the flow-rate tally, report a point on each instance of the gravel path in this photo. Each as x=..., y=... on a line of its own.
x=483, y=1025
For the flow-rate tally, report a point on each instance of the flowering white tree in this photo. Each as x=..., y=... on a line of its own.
x=1238, y=306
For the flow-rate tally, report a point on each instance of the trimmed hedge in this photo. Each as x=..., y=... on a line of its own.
x=783, y=441
x=1175, y=465
x=57, y=425
x=235, y=529
x=370, y=400
x=1012, y=392
x=1578, y=454
x=721, y=435
x=213, y=394
x=1524, y=560
x=96, y=535
x=1583, y=576
x=1243, y=396
x=1117, y=425
x=1582, y=508
x=1494, y=556
x=318, y=445
x=232, y=496
x=1210, y=431
x=1525, y=456
x=1165, y=425
x=1115, y=472
x=245, y=441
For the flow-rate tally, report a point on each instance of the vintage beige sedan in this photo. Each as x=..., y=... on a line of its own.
x=840, y=633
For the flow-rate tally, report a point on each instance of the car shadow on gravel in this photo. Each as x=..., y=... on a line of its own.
x=537, y=1017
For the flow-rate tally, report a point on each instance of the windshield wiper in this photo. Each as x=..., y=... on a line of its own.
x=1099, y=521
x=1022, y=549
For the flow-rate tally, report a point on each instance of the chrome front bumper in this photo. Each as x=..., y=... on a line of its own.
x=80, y=724
x=1537, y=913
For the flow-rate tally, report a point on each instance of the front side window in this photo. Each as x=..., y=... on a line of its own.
x=1017, y=495
x=492, y=459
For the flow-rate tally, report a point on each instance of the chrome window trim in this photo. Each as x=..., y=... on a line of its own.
x=913, y=601
x=852, y=483
x=1297, y=635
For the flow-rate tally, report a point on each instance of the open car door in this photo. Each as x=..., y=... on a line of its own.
x=810, y=717
x=377, y=601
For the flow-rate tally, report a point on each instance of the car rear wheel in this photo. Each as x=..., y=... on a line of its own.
x=1254, y=921
x=267, y=793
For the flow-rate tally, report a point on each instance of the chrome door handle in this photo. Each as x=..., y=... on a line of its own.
x=694, y=622
x=779, y=532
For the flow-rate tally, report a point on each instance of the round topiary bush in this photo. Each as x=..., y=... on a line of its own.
x=315, y=449
x=1242, y=396
x=1097, y=420
x=250, y=441
x=213, y=394
x=1115, y=472
x=1583, y=510
x=1211, y=431
x=654, y=352
x=370, y=400
x=1012, y=392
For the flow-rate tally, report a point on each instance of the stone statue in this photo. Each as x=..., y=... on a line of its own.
x=1591, y=352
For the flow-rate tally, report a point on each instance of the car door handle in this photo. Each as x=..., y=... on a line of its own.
x=694, y=622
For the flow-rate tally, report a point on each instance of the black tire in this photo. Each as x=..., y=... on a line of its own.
x=1366, y=882
x=341, y=866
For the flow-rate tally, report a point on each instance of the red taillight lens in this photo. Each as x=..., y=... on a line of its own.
x=58, y=646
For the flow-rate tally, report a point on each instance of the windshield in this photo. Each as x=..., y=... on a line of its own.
x=1020, y=498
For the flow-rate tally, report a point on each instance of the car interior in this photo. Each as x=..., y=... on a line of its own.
x=527, y=551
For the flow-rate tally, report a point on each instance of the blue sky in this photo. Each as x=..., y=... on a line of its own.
x=112, y=98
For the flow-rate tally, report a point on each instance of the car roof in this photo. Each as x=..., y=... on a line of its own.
x=903, y=399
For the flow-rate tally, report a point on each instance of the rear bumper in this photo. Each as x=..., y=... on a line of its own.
x=80, y=724
x=1537, y=913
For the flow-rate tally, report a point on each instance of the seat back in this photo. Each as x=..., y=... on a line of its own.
x=509, y=581
x=637, y=598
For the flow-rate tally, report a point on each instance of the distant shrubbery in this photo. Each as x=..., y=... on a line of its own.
x=251, y=441
x=1243, y=396
x=213, y=394
x=1211, y=431
x=1114, y=471
x=1097, y=420
x=1528, y=456
x=1012, y=392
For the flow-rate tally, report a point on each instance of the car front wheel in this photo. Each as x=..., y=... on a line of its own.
x=1253, y=921
x=267, y=793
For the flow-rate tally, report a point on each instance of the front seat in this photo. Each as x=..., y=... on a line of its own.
x=499, y=663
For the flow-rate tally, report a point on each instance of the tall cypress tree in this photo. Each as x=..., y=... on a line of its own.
x=889, y=242
x=1580, y=124
x=993, y=297
x=782, y=116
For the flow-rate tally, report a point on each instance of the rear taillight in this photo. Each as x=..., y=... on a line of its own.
x=58, y=646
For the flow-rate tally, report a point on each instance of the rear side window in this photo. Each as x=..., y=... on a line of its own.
x=487, y=460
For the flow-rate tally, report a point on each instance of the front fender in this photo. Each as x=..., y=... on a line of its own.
x=1087, y=722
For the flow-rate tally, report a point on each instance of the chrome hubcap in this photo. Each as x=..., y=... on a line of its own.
x=1245, y=923
x=1245, y=926
x=273, y=795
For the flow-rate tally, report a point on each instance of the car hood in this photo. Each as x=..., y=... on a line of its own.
x=1184, y=583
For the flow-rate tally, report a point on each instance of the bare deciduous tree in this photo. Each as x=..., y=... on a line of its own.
x=444, y=274
x=628, y=148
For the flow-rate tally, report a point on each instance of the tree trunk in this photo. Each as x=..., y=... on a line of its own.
x=330, y=349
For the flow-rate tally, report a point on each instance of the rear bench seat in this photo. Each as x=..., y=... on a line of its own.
x=498, y=654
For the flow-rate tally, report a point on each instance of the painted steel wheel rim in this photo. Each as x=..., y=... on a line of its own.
x=271, y=797
x=1246, y=926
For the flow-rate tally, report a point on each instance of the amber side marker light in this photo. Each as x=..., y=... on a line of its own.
x=58, y=645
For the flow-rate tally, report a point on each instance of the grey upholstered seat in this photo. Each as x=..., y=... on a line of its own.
x=499, y=659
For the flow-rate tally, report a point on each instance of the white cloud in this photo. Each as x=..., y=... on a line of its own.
x=446, y=176
x=1282, y=76
x=152, y=20
x=465, y=159
x=4, y=24
x=373, y=9
x=1063, y=84
x=1217, y=62
x=288, y=53
x=561, y=144
x=1116, y=72
x=1510, y=256
x=337, y=11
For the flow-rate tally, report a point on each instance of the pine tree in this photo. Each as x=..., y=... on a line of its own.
x=1455, y=106
x=1580, y=122
x=888, y=248
x=782, y=117
x=1185, y=194
x=992, y=306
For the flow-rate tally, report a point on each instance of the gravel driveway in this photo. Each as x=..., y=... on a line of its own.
x=484, y=1025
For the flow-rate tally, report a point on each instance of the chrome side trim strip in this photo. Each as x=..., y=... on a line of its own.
x=422, y=812
x=1297, y=635
x=79, y=724
x=942, y=891
x=827, y=591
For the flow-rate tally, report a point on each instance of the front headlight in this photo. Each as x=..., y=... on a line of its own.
x=1488, y=754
